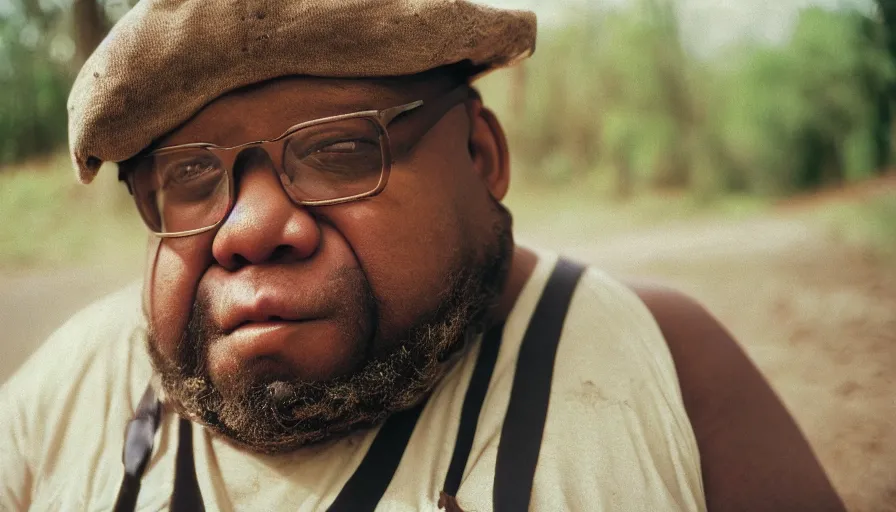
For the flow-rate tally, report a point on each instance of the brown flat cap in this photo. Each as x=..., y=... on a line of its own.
x=166, y=59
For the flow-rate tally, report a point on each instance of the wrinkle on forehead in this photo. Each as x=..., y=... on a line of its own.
x=264, y=111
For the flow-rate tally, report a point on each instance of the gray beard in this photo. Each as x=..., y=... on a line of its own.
x=278, y=414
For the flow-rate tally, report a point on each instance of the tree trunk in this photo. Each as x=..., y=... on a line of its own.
x=883, y=138
x=89, y=28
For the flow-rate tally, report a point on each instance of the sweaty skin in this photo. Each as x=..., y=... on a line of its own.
x=437, y=212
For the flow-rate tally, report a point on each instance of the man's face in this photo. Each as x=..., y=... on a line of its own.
x=287, y=325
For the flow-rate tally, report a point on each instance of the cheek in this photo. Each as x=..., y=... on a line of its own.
x=172, y=275
x=409, y=239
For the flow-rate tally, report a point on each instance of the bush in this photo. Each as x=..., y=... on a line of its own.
x=616, y=90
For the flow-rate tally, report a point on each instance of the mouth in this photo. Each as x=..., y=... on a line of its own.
x=314, y=331
x=311, y=349
x=265, y=313
x=270, y=322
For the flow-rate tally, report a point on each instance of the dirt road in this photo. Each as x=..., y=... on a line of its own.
x=818, y=318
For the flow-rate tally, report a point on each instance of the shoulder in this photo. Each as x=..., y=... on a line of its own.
x=609, y=340
x=88, y=339
x=615, y=399
x=754, y=455
x=701, y=348
x=609, y=329
x=610, y=312
x=91, y=370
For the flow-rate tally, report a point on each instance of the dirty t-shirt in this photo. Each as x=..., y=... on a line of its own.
x=616, y=435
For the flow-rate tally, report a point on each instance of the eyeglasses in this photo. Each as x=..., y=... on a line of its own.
x=189, y=189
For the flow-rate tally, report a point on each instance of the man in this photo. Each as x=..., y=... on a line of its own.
x=334, y=314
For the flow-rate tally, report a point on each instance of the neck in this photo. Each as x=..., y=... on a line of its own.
x=522, y=265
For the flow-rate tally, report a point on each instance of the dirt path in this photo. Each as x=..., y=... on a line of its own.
x=819, y=320
x=34, y=304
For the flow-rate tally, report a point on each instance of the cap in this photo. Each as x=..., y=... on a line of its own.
x=166, y=59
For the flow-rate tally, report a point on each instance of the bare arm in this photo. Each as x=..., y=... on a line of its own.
x=754, y=456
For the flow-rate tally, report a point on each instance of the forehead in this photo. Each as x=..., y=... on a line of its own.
x=265, y=110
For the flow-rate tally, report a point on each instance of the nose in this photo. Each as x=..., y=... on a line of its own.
x=264, y=226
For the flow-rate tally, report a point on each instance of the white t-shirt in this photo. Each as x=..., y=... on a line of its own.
x=616, y=437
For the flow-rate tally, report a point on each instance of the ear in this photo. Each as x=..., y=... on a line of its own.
x=488, y=149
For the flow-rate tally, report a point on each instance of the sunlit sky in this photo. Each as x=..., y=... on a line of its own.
x=708, y=25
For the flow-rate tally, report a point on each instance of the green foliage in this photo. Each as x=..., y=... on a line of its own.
x=39, y=59
x=34, y=85
x=869, y=224
x=806, y=111
x=614, y=94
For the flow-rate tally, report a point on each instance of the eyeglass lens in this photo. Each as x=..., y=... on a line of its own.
x=189, y=189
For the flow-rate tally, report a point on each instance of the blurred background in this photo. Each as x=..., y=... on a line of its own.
x=741, y=152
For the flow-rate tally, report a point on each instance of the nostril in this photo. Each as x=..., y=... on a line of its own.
x=281, y=252
x=240, y=261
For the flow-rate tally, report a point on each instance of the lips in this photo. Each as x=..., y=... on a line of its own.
x=313, y=325
x=266, y=308
x=296, y=332
x=278, y=294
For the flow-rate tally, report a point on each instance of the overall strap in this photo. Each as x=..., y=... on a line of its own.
x=469, y=415
x=138, y=441
x=186, y=497
x=521, y=434
x=368, y=484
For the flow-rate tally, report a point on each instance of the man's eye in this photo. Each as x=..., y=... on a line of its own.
x=345, y=147
x=186, y=172
x=348, y=146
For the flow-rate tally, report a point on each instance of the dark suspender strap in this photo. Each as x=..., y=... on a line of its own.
x=186, y=497
x=367, y=485
x=469, y=414
x=139, y=437
x=523, y=428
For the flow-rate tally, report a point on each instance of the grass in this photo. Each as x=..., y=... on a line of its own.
x=552, y=208
x=869, y=224
x=50, y=219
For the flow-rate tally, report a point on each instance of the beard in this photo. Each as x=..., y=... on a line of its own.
x=277, y=413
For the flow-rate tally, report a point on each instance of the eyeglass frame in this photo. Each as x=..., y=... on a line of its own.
x=228, y=155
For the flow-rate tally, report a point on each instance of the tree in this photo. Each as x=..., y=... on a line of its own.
x=883, y=128
x=89, y=27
